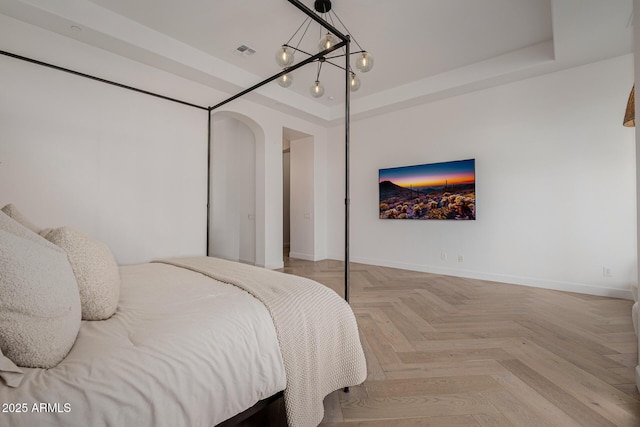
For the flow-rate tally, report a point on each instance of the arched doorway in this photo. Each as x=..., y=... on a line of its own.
x=234, y=231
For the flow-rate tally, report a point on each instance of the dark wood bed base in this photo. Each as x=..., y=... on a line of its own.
x=267, y=412
x=271, y=408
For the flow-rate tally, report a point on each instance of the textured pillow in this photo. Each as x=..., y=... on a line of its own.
x=14, y=227
x=39, y=303
x=13, y=213
x=95, y=269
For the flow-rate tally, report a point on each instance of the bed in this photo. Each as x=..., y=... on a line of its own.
x=192, y=341
x=178, y=342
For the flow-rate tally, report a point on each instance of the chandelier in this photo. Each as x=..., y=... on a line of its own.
x=285, y=54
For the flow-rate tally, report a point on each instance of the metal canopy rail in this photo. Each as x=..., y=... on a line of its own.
x=345, y=42
x=99, y=79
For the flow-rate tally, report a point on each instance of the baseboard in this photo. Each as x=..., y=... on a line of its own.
x=276, y=266
x=306, y=257
x=502, y=278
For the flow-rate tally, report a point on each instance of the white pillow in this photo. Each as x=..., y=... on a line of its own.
x=95, y=269
x=14, y=227
x=39, y=302
x=13, y=213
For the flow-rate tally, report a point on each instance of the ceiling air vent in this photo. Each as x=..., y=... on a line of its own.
x=245, y=50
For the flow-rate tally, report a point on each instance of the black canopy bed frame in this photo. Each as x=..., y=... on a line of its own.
x=345, y=41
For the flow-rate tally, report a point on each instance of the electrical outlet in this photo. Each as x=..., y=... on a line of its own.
x=460, y=258
x=607, y=272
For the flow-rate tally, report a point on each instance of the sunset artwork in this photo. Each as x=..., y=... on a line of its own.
x=433, y=191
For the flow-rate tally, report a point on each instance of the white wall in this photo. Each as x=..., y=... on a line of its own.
x=286, y=196
x=125, y=168
x=233, y=190
x=555, y=181
x=131, y=170
x=302, y=199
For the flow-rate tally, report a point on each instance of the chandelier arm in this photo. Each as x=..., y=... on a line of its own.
x=334, y=64
x=342, y=55
x=327, y=57
x=281, y=73
x=299, y=50
x=319, y=20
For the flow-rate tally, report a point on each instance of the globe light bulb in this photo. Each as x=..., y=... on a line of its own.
x=285, y=80
x=316, y=90
x=354, y=83
x=284, y=56
x=326, y=42
x=364, y=62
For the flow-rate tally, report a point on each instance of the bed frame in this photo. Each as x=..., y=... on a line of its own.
x=345, y=41
x=269, y=411
x=262, y=407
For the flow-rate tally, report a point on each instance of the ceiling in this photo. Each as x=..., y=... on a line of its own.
x=423, y=49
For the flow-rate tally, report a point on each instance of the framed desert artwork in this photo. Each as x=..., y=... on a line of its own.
x=431, y=191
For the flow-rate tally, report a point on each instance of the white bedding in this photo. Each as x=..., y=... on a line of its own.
x=157, y=361
x=316, y=329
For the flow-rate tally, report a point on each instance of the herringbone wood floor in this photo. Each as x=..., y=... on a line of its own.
x=449, y=351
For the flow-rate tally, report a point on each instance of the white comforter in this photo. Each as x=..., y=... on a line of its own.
x=182, y=350
x=316, y=329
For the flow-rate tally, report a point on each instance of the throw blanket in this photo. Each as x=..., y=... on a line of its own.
x=316, y=330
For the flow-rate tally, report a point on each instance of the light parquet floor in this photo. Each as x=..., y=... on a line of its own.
x=449, y=351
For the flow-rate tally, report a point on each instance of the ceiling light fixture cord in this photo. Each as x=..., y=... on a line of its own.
x=303, y=34
x=344, y=51
x=320, y=62
x=348, y=32
x=305, y=31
